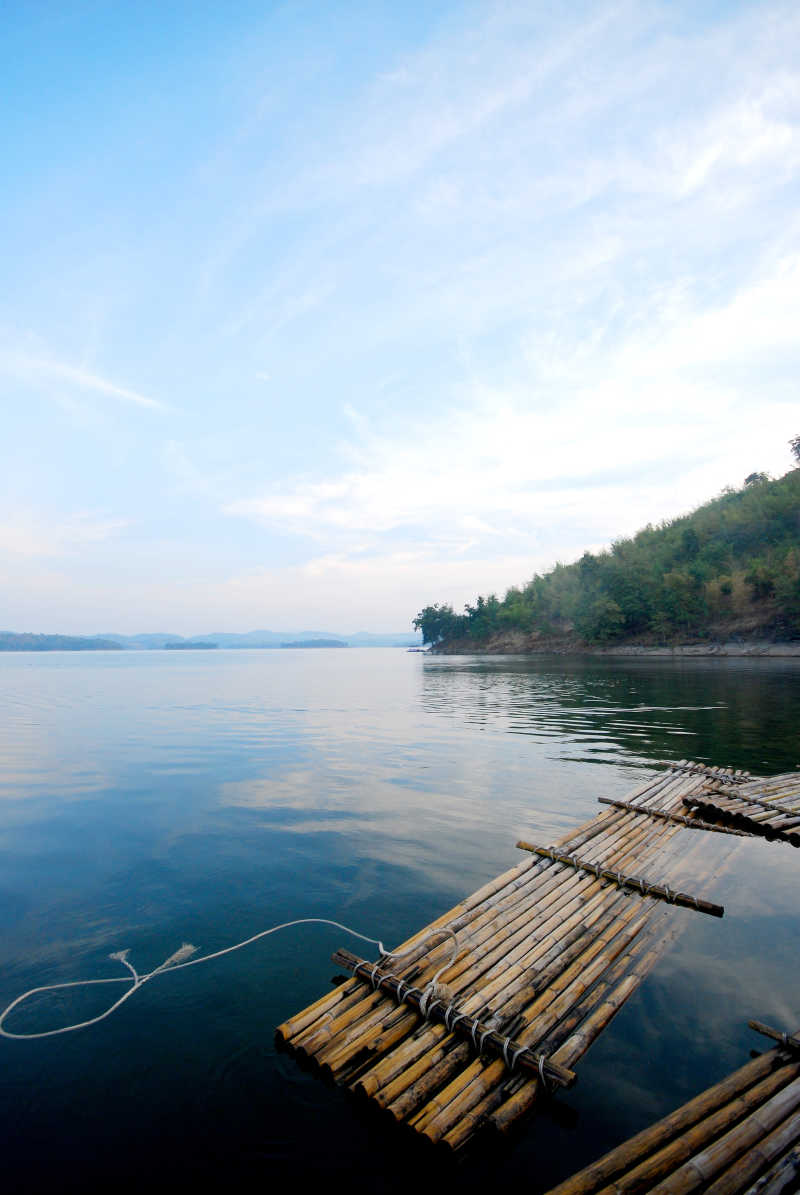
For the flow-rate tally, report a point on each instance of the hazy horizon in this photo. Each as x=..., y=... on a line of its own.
x=159, y=631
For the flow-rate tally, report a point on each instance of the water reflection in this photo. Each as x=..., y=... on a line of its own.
x=738, y=711
x=155, y=798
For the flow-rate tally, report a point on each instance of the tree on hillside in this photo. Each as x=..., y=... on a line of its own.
x=794, y=444
x=439, y=622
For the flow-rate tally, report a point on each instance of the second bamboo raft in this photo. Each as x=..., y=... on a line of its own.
x=769, y=808
x=739, y=1137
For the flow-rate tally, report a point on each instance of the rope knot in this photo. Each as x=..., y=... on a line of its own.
x=434, y=992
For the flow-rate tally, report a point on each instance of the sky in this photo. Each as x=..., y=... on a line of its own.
x=316, y=314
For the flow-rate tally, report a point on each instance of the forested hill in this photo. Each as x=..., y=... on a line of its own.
x=729, y=569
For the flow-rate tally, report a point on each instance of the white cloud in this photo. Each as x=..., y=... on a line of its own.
x=32, y=534
x=378, y=592
x=601, y=441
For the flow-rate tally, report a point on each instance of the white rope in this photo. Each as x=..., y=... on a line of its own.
x=176, y=962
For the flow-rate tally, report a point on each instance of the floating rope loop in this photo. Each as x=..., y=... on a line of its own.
x=178, y=960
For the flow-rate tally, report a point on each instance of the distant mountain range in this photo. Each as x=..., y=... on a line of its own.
x=12, y=641
x=268, y=639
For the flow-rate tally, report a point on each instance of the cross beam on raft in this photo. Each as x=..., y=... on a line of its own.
x=484, y=1038
x=773, y=806
x=694, y=823
x=790, y=1043
x=635, y=883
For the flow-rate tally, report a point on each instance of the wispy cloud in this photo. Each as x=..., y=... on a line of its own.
x=42, y=370
x=31, y=534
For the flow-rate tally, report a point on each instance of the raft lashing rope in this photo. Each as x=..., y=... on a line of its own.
x=181, y=959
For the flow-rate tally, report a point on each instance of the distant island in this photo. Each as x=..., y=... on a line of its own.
x=10, y=641
x=189, y=645
x=316, y=643
x=726, y=574
x=164, y=641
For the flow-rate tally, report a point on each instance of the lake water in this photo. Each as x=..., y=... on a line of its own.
x=147, y=799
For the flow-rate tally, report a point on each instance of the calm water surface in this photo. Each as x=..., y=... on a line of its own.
x=155, y=798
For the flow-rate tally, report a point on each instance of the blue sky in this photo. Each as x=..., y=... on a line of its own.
x=316, y=313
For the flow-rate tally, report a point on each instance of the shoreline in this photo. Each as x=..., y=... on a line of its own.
x=508, y=645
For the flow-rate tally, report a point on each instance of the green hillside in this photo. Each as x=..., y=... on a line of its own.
x=730, y=568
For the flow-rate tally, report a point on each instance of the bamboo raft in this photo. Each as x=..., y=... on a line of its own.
x=529, y=970
x=740, y=1137
x=769, y=808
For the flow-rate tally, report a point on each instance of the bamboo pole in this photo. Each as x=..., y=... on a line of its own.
x=696, y=1173
x=558, y=994
x=521, y=1093
x=759, y=1156
x=550, y=961
x=596, y=1011
x=294, y=1025
x=466, y=1126
x=652, y=1139
x=514, y=985
x=652, y=1169
x=467, y=1089
x=781, y=1177
x=537, y=969
x=570, y=1041
x=633, y=882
